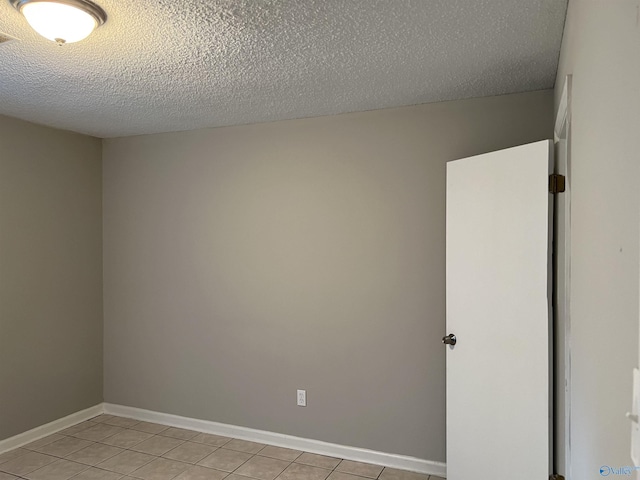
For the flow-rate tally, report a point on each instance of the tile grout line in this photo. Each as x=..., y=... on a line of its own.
x=183, y=441
x=255, y=455
x=197, y=463
x=155, y=457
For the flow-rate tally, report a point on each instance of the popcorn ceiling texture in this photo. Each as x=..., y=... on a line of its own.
x=168, y=65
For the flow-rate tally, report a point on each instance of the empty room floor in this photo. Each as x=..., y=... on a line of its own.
x=116, y=448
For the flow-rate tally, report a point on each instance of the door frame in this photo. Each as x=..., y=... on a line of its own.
x=562, y=139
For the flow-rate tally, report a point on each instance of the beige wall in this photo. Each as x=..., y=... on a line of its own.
x=50, y=275
x=243, y=263
x=601, y=48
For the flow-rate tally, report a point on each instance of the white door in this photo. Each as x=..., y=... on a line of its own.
x=562, y=320
x=498, y=308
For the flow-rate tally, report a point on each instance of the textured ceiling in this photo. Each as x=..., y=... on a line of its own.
x=167, y=65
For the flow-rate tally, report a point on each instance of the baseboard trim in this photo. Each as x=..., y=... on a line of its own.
x=49, y=428
x=280, y=440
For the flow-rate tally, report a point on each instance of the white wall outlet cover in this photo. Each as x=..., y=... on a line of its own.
x=302, y=398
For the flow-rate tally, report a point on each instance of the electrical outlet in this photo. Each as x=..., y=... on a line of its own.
x=302, y=398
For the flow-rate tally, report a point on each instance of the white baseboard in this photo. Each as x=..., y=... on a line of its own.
x=280, y=440
x=49, y=428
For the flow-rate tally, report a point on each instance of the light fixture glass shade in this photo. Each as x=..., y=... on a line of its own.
x=62, y=22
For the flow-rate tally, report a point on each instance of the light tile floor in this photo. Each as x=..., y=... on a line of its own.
x=115, y=448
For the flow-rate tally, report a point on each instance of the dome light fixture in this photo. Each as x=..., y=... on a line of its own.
x=62, y=21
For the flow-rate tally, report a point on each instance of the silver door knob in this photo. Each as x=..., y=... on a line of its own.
x=449, y=339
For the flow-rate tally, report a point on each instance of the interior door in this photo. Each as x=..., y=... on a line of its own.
x=562, y=311
x=498, y=308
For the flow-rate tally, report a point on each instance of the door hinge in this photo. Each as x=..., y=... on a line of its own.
x=556, y=183
x=555, y=476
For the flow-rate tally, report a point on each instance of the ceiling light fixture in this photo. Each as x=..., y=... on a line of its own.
x=62, y=21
